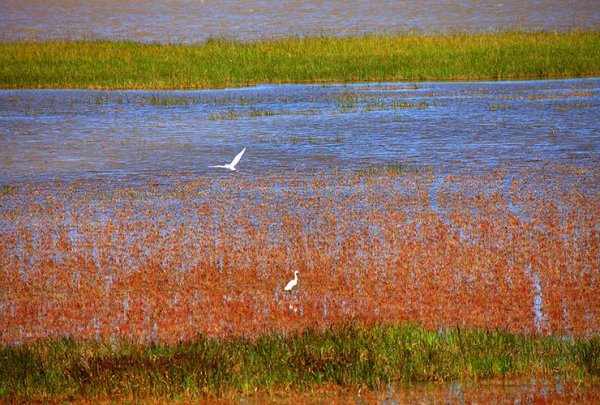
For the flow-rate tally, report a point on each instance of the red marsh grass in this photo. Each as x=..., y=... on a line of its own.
x=166, y=263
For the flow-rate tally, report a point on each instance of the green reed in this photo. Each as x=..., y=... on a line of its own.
x=348, y=356
x=368, y=58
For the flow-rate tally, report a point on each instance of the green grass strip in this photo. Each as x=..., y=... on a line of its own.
x=370, y=58
x=348, y=356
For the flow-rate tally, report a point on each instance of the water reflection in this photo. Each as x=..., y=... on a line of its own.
x=532, y=390
x=68, y=134
x=516, y=391
x=193, y=21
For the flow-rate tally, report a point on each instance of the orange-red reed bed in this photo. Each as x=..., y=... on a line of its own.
x=211, y=256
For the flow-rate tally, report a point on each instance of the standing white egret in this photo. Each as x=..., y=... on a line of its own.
x=292, y=283
x=231, y=166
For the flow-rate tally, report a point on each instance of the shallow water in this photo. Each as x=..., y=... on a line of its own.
x=447, y=127
x=193, y=21
x=533, y=390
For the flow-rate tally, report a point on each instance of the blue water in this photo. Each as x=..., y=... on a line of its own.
x=73, y=134
x=195, y=21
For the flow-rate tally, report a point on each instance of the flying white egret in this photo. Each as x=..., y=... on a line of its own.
x=292, y=283
x=231, y=166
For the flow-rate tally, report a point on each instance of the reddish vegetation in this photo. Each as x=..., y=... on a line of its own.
x=212, y=256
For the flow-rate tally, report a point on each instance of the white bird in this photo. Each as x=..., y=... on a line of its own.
x=292, y=283
x=231, y=166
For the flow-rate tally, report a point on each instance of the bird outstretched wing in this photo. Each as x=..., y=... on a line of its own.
x=237, y=158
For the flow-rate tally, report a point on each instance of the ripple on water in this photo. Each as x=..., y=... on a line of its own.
x=193, y=21
x=61, y=134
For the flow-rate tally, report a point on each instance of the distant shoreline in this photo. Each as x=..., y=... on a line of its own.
x=219, y=64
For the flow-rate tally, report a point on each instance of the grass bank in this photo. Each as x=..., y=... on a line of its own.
x=349, y=356
x=370, y=58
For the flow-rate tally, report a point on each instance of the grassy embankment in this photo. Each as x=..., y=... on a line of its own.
x=222, y=63
x=348, y=356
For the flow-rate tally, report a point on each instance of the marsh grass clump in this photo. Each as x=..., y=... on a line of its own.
x=389, y=170
x=228, y=115
x=554, y=96
x=257, y=112
x=410, y=104
x=7, y=190
x=232, y=114
x=497, y=106
x=167, y=100
x=367, y=58
x=572, y=106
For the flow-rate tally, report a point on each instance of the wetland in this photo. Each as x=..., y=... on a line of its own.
x=431, y=171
